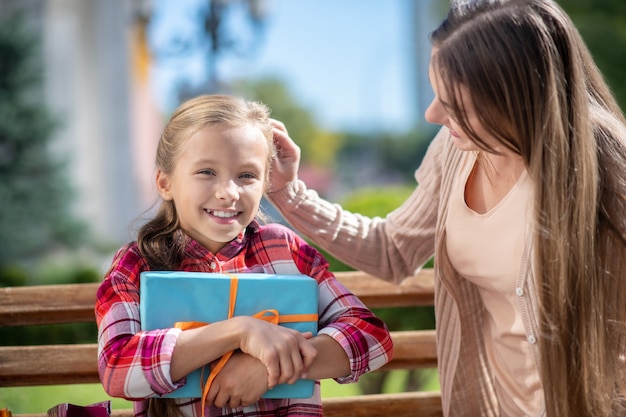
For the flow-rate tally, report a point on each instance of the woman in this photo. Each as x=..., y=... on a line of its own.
x=522, y=201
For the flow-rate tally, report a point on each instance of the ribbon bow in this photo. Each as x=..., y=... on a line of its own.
x=269, y=315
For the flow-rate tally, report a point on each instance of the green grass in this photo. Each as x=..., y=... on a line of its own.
x=39, y=399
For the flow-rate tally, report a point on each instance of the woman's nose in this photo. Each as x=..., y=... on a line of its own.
x=436, y=113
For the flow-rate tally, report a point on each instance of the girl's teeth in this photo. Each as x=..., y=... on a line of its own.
x=224, y=214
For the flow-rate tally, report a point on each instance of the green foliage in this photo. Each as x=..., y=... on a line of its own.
x=38, y=400
x=64, y=270
x=319, y=147
x=35, y=195
x=370, y=202
x=394, y=157
x=377, y=201
x=12, y=276
x=373, y=202
x=49, y=334
x=602, y=24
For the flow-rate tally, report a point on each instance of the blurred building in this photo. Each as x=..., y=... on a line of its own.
x=88, y=86
x=96, y=86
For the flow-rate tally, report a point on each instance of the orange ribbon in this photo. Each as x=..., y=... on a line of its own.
x=269, y=315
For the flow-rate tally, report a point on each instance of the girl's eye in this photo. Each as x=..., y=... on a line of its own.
x=207, y=172
x=247, y=175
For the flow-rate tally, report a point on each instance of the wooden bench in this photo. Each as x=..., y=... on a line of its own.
x=77, y=363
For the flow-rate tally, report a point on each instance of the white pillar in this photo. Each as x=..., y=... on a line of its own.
x=86, y=45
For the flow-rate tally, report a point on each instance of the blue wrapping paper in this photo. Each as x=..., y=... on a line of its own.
x=170, y=297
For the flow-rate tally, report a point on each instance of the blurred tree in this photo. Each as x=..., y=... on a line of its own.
x=195, y=46
x=319, y=147
x=382, y=157
x=602, y=24
x=35, y=195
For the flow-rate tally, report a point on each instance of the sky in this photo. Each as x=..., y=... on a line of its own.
x=348, y=61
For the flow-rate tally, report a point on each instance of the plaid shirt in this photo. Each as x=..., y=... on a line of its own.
x=134, y=364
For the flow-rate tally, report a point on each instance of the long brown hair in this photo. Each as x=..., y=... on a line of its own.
x=537, y=90
x=160, y=240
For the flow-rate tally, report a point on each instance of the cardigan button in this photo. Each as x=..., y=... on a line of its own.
x=532, y=339
x=213, y=265
x=519, y=291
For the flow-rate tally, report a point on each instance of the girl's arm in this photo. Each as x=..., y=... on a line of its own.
x=244, y=379
x=331, y=361
x=284, y=352
x=345, y=323
x=350, y=342
x=132, y=363
x=137, y=364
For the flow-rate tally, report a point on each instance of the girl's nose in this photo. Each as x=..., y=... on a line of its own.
x=436, y=113
x=227, y=190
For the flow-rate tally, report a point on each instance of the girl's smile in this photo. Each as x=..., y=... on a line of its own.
x=218, y=183
x=222, y=216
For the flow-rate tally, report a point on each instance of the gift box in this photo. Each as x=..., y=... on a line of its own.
x=171, y=297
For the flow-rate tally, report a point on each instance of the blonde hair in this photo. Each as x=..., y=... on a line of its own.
x=537, y=90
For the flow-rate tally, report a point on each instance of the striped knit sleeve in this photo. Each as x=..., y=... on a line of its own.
x=391, y=248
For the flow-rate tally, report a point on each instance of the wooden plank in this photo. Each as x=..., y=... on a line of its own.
x=409, y=404
x=76, y=364
x=47, y=304
x=374, y=292
x=48, y=365
x=68, y=303
x=412, y=350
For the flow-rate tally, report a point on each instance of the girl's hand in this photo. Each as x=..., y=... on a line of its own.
x=286, y=353
x=241, y=382
x=285, y=166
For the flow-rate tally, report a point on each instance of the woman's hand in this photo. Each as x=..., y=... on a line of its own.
x=285, y=165
x=241, y=382
x=286, y=353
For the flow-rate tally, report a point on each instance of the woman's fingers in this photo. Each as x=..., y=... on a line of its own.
x=285, y=165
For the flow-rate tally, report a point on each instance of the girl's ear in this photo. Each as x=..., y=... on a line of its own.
x=163, y=185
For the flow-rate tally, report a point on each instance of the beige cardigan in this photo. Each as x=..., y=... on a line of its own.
x=397, y=246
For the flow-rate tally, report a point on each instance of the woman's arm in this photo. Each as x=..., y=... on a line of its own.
x=391, y=248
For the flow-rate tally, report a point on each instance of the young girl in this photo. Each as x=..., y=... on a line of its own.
x=213, y=162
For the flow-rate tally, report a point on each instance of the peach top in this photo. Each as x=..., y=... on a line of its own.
x=487, y=250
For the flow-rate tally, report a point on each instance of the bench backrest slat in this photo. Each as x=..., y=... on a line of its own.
x=73, y=303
